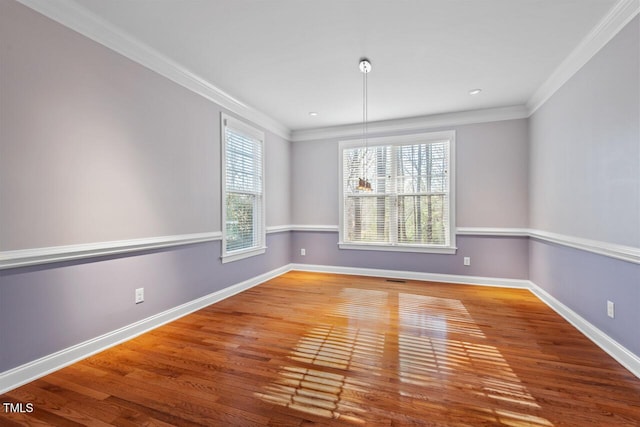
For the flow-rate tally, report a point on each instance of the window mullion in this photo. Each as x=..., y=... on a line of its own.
x=393, y=215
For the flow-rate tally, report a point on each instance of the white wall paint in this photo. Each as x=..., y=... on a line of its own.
x=585, y=149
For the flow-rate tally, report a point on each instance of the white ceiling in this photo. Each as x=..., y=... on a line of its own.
x=286, y=58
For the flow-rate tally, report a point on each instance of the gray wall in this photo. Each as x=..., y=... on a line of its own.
x=98, y=148
x=585, y=182
x=95, y=148
x=585, y=149
x=492, y=176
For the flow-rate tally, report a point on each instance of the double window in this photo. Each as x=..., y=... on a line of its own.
x=243, y=229
x=397, y=193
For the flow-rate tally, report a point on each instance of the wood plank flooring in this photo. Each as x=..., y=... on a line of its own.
x=308, y=348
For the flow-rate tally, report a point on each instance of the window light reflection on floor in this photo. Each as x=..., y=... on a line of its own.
x=321, y=393
x=444, y=315
x=437, y=360
x=316, y=392
x=341, y=348
x=435, y=345
x=362, y=305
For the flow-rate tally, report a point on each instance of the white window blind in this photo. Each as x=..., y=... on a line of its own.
x=243, y=190
x=410, y=203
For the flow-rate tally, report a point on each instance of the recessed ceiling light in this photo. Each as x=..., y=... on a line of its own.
x=475, y=91
x=313, y=113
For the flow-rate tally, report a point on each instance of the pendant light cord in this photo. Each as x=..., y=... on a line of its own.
x=365, y=121
x=363, y=183
x=365, y=105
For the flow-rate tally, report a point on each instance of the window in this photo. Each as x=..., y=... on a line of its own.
x=243, y=229
x=409, y=205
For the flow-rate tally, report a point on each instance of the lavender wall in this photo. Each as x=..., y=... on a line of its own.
x=502, y=257
x=584, y=281
x=45, y=309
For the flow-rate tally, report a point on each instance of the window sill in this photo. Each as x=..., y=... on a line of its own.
x=450, y=250
x=236, y=256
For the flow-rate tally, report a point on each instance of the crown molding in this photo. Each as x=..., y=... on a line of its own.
x=413, y=123
x=619, y=16
x=73, y=16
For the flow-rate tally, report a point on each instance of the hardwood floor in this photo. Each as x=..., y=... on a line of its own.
x=322, y=349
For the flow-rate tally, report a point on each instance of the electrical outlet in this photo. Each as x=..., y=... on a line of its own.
x=610, y=309
x=467, y=260
x=139, y=295
x=303, y=252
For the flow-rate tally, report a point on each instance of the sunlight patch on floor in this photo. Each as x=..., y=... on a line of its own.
x=340, y=348
x=434, y=344
x=315, y=392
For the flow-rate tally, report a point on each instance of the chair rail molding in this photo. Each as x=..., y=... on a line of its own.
x=27, y=257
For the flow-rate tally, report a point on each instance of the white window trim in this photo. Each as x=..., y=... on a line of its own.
x=232, y=122
x=402, y=140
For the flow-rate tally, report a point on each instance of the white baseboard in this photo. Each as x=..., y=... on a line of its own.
x=620, y=353
x=413, y=275
x=33, y=370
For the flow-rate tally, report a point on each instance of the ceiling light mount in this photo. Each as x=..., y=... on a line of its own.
x=365, y=65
